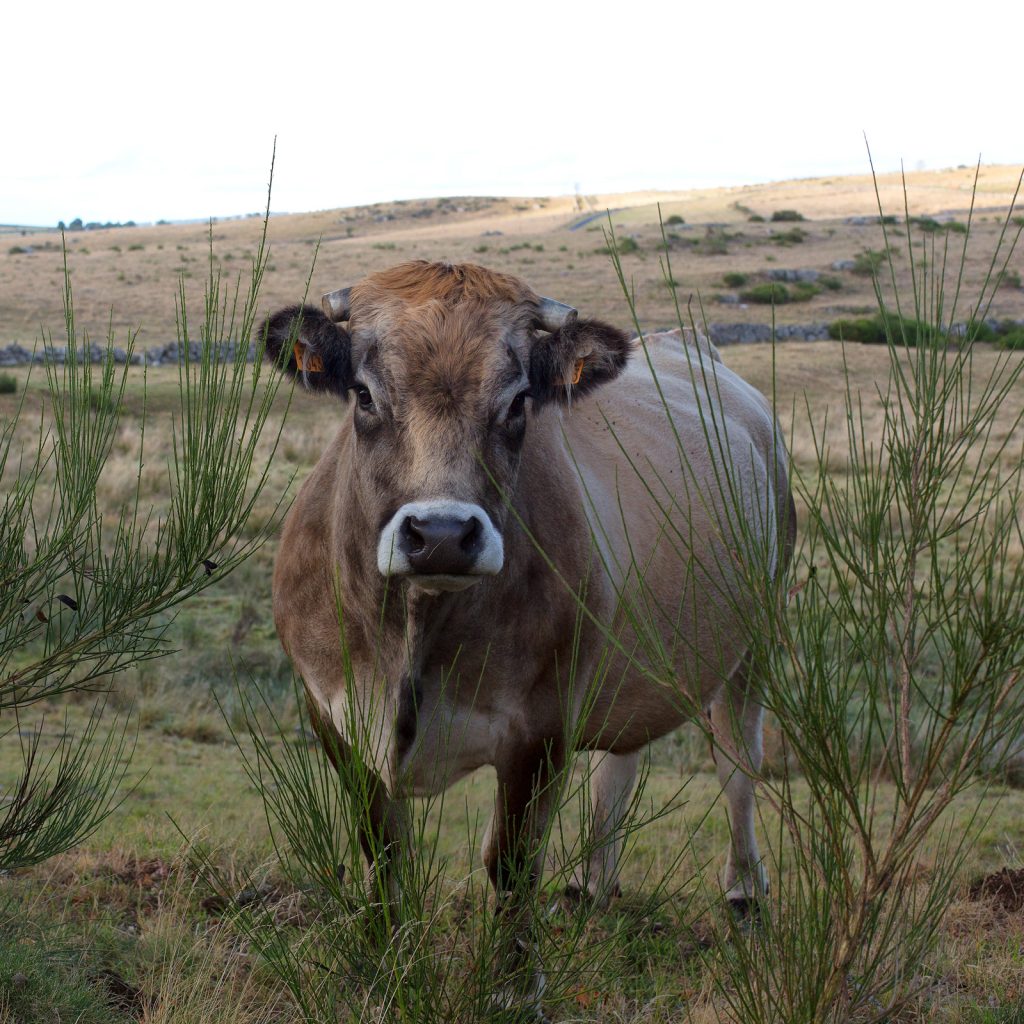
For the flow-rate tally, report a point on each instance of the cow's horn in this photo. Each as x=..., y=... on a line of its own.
x=553, y=315
x=336, y=304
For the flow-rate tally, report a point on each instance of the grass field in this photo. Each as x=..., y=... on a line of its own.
x=124, y=928
x=131, y=274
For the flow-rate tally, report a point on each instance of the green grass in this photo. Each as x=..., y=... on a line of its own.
x=102, y=913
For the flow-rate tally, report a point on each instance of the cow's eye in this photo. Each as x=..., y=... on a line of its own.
x=363, y=397
x=516, y=409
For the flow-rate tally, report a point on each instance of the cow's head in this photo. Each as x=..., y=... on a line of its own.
x=446, y=365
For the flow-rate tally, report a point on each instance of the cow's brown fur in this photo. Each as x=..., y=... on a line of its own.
x=442, y=349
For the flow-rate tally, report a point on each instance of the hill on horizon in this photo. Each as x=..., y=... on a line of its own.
x=129, y=276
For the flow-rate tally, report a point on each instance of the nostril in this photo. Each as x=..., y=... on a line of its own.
x=412, y=540
x=472, y=535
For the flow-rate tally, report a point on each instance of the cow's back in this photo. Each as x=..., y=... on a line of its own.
x=684, y=477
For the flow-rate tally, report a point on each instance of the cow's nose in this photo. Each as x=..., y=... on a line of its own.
x=437, y=545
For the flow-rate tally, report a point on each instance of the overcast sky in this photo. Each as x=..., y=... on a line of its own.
x=117, y=111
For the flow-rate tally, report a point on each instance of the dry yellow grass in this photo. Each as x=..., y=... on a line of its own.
x=134, y=271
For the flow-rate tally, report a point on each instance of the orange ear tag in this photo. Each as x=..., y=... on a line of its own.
x=312, y=365
x=577, y=373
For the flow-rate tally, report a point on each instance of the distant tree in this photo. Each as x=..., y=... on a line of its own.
x=60, y=226
x=75, y=225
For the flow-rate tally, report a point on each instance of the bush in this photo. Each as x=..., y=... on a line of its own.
x=877, y=330
x=674, y=219
x=869, y=262
x=1013, y=340
x=804, y=291
x=627, y=245
x=756, y=218
x=714, y=243
x=769, y=293
x=792, y=237
x=15, y=250
x=833, y=284
x=1009, y=279
x=8, y=384
x=787, y=215
x=735, y=280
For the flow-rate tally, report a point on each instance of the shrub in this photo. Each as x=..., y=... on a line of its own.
x=623, y=246
x=714, y=243
x=756, y=218
x=15, y=250
x=735, y=280
x=1013, y=340
x=8, y=384
x=931, y=225
x=869, y=262
x=833, y=284
x=877, y=330
x=121, y=584
x=674, y=219
x=769, y=293
x=792, y=237
x=1009, y=279
x=804, y=291
x=136, y=247
x=787, y=215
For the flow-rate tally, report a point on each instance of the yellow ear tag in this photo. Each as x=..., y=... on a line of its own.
x=314, y=364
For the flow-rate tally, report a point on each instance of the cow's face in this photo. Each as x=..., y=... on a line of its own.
x=445, y=365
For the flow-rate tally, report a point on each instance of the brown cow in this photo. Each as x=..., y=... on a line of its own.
x=481, y=490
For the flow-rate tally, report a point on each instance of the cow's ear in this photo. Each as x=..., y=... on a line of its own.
x=578, y=357
x=305, y=344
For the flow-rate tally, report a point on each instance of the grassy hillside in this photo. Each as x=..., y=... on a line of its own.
x=132, y=273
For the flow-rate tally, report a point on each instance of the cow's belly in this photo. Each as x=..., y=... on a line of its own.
x=450, y=742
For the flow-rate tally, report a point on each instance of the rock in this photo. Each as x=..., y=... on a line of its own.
x=727, y=298
x=794, y=275
x=844, y=264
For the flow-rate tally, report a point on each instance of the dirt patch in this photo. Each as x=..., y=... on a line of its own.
x=1005, y=888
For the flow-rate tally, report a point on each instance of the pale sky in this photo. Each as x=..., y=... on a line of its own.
x=117, y=111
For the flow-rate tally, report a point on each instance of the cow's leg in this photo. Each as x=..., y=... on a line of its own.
x=382, y=821
x=611, y=782
x=514, y=854
x=737, y=724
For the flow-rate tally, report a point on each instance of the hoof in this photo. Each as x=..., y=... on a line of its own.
x=745, y=911
x=575, y=895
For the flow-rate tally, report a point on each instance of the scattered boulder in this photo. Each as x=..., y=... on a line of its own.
x=794, y=275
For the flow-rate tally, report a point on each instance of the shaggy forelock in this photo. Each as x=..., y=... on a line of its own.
x=443, y=333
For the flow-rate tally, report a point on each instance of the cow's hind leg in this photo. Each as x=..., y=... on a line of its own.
x=612, y=777
x=737, y=723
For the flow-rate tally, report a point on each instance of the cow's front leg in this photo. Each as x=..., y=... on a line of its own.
x=383, y=836
x=611, y=782
x=380, y=820
x=528, y=787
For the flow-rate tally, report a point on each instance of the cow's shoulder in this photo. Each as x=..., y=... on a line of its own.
x=658, y=341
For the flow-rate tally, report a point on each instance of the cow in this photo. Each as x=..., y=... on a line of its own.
x=519, y=546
